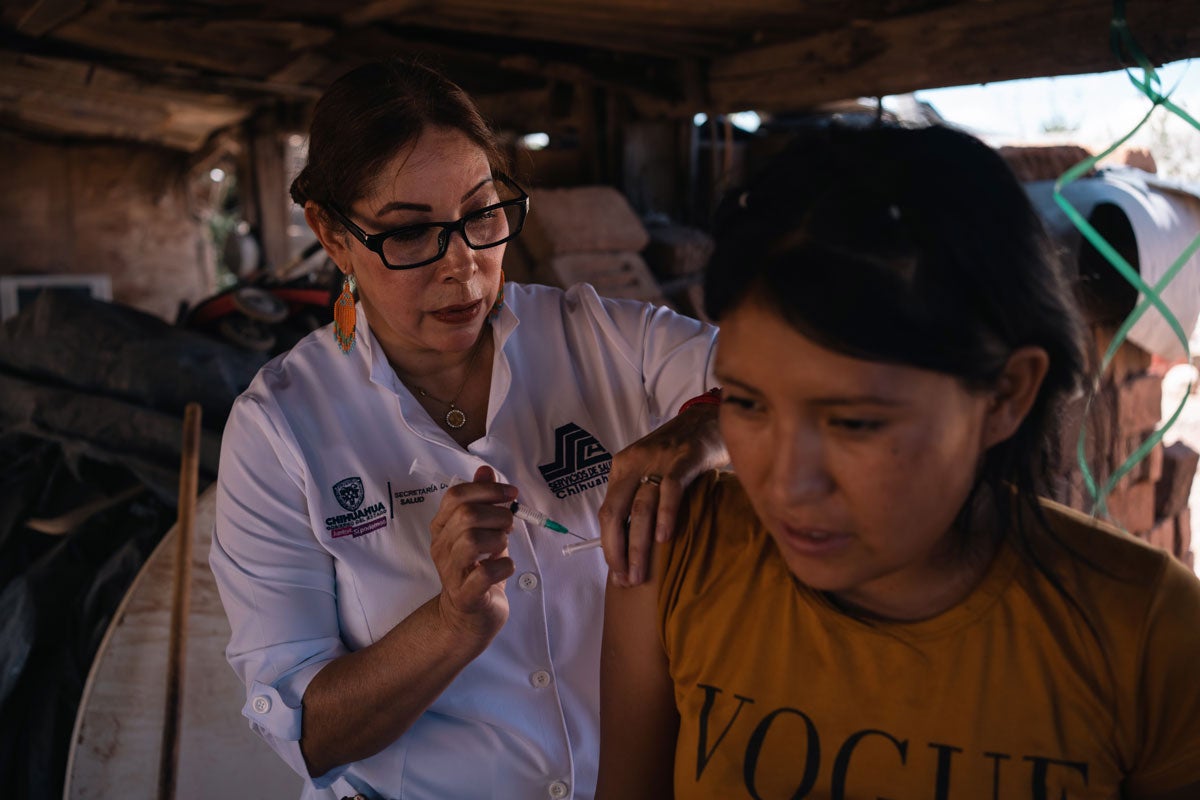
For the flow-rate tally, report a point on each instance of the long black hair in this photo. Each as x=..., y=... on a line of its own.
x=915, y=247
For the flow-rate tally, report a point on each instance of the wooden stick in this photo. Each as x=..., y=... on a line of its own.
x=188, y=485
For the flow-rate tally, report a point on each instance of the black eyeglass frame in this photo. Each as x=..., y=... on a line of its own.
x=374, y=241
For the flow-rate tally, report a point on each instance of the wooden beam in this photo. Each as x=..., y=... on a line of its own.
x=608, y=34
x=234, y=85
x=76, y=99
x=672, y=28
x=627, y=82
x=248, y=48
x=288, y=82
x=301, y=70
x=524, y=111
x=46, y=15
x=974, y=42
x=378, y=10
x=483, y=60
x=222, y=146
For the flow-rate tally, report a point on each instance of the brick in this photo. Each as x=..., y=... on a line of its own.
x=1139, y=403
x=1173, y=488
x=1183, y=532
x=1101, y=415
x=1074, y=493
x=1120, y=417
x=1042, y=162
x=1132, y=508
x=1129, y=360
x=1162, y=535
x=1154, y=463
x=1070, y=421
x=1149, y=468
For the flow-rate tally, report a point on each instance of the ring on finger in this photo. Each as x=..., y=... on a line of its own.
x=652, y=479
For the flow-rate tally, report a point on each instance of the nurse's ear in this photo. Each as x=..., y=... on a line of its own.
x=1014, y=393
x=332, y=237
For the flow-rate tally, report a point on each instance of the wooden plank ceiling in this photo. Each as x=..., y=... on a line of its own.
x=173, y=73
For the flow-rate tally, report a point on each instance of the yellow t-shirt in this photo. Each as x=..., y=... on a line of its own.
x=1009, y=694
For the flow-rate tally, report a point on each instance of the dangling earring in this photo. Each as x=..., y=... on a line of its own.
x=499, y=304
x=344, y=316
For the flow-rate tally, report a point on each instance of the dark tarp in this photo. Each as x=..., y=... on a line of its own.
x=91, y=403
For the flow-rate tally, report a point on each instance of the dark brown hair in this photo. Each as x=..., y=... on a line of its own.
x=371, y=113
x=913, y=247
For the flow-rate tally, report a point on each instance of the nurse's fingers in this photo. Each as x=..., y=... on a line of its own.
x=480, y=544
x=483, y=490
x=643, y=517
x=487, y=574
x=614, y=517
x=467, y=534
x=467, y=510
x=670, y=497
x=477, y=606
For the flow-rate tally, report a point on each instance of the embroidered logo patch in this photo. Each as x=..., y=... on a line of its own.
x=580, y=462
x=349, y=493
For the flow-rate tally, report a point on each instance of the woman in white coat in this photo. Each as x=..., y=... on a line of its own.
x=400, y=635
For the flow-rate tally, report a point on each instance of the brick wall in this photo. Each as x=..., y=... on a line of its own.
x=1151, y=500
x=114, y=209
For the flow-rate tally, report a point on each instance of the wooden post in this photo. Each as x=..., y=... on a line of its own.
x=689, y=159
x=589, y=136
x=614, y=140
x=726, y=158
x=181, y=600
x=267, y=193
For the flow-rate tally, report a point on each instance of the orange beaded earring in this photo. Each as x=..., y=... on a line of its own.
x=344, y=316
x=499, y=304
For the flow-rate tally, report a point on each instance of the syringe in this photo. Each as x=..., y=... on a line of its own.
x=522, y=512
x=586, y=544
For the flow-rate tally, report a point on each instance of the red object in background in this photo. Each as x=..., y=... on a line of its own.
x=220, y=305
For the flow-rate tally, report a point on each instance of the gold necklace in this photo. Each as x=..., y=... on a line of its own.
x=455, y=416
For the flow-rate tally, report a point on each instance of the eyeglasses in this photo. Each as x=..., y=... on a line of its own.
x=415, y=246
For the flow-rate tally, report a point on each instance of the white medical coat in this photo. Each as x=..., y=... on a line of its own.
x=322, y=537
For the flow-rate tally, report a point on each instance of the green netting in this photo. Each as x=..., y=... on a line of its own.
x=1126, y=49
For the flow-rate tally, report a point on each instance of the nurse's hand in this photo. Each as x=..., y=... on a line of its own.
x=470, y=551
x=645, y=487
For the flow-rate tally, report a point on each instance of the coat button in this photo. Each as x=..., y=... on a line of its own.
x=558, y=789
x=528, y=581
x=262, y=704
x=540, y=679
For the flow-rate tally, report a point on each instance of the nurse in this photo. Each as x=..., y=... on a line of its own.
x=399, y=636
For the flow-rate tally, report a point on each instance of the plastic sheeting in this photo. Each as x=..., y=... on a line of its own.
x=1165, y=218
x=91, y=402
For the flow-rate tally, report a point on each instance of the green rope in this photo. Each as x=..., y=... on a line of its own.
x=1122, y=43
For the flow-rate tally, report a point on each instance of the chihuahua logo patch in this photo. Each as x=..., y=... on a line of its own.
x=357, y=520
x=349, y=493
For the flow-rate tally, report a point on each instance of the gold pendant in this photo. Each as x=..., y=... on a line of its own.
x=455, y=418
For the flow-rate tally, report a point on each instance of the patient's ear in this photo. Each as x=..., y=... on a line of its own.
x=1014, y=394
